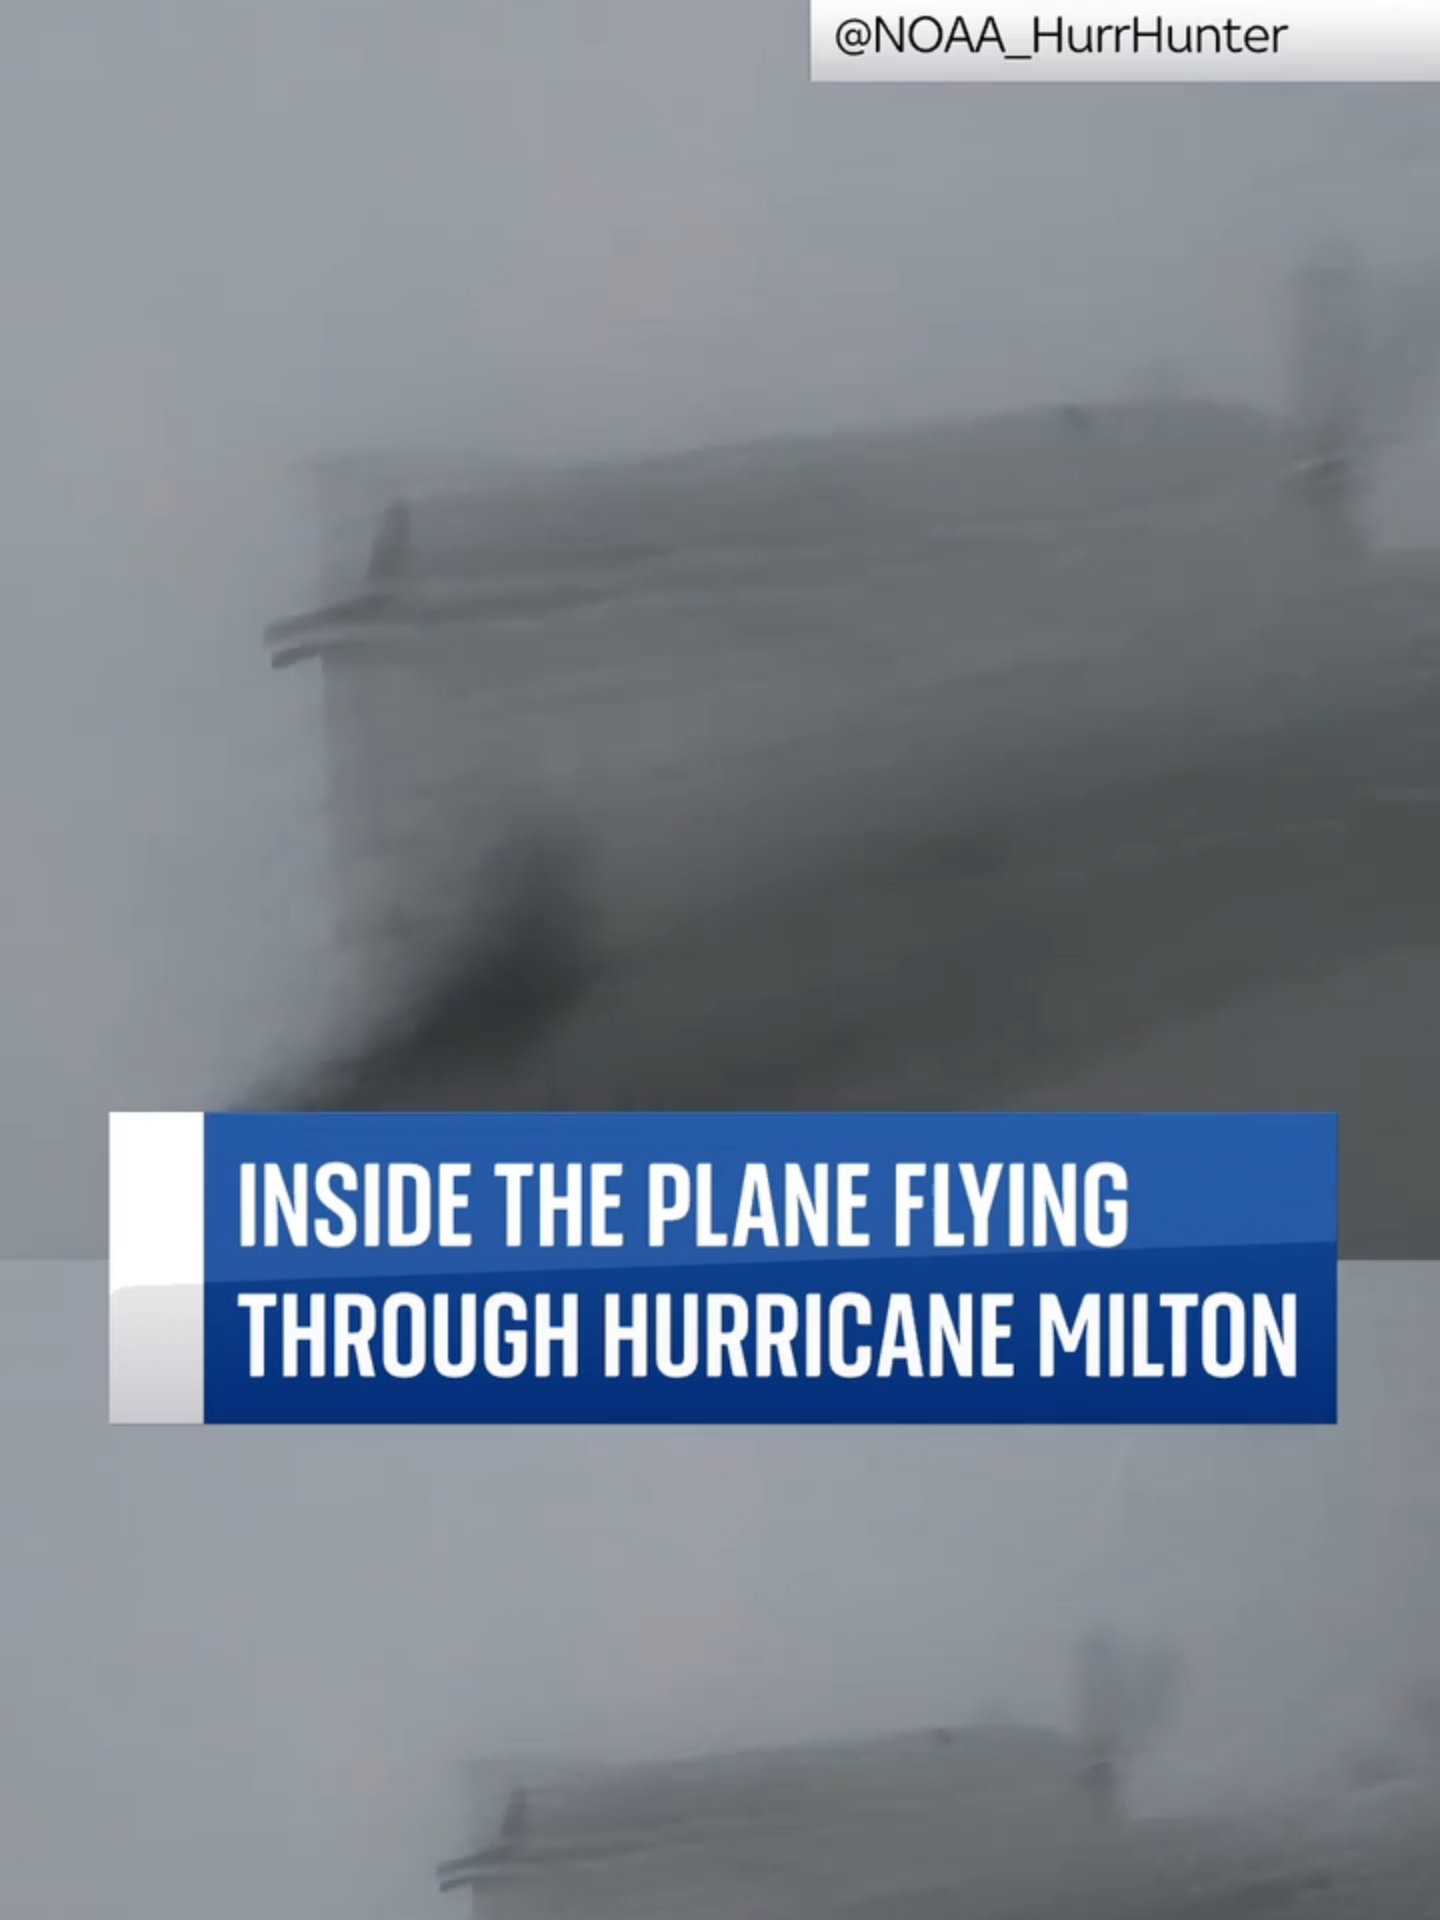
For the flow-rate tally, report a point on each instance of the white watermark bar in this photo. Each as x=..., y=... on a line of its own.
x=1097, y=40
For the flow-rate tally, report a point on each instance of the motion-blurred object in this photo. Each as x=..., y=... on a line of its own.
x=942, y=767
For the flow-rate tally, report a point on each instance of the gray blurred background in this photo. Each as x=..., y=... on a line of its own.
x=237, y=245
x=234, y=1666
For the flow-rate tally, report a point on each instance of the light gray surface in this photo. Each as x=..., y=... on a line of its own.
x=979, y=1820
x=1202, y=877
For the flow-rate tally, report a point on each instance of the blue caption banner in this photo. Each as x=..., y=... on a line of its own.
x=724, y=1268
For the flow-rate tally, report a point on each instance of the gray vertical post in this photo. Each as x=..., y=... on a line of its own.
x=1329, y=373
